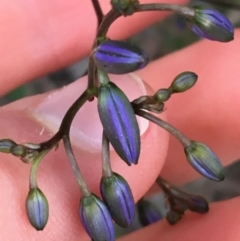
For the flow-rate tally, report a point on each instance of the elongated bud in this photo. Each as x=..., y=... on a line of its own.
x=37, y=208
x=118, y=197
x=125, y=7
x=148, y=212
x=6, y=145
x=96, y=219
x=183, y=82
x=162, y=95
x=119, y=122
x=119, y=57
x=211, y=24
x=204, y=161
x=197, y=204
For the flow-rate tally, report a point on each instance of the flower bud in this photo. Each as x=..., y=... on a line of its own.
x=6, y=145
x=118, y=57
x=183, y=82
x=125, y=7
x=96, y=219
x=37, y=208
x=19, y=151
x=119, y=122
x=162, y=95
x=204, y=161
x=118, y=197
x=197, y=204
x=148, y=213
x=211, y=24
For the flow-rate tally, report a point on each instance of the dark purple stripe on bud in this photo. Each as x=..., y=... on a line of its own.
x=204, y=161
x=212, y=25
x=37, y=208
x=148, y=213
x=96, y=219
x=119, y=122
x=119, y=57
x=118, y=197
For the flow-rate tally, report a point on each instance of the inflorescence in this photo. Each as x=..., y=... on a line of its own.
x=121, y=130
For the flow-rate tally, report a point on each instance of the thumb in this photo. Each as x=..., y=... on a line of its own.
x=36, y=119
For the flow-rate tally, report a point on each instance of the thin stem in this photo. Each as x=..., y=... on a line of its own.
x=98, y=11
x=109, y=18
x=183, y=139
x=91, y=73
x=106, y=164
x=183, y=10
x=34, y=168
x=77, y=173
x=67, y=120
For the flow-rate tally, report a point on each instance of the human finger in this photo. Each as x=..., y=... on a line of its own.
x=36, y=119
x=41, y=37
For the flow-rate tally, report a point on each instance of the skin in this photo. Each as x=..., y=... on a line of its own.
x=42, y=36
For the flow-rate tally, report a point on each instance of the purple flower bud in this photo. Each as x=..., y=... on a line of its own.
x=148, y=213
x=96, y=219
x=118, y=197
x=204, y=161
x=211, y=24
x=197, y=204
x=119, y=122
x=37, y=208
x=118, y=57
x=183, y=82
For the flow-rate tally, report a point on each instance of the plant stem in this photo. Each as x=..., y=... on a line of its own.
x=67, y=120
x=77, y=173
x=183, y=10
x=176, y=133
x=106, y=165
x=34, y=168
x=98, y=11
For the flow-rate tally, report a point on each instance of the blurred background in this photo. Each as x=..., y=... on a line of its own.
x=173, y=34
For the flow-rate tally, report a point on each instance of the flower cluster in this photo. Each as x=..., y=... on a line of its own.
x=121, y=130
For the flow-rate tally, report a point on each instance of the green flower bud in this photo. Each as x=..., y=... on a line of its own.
x=37, y=208
x=162, y=95
x=183, y=82
x=204, y=161
x=6, y=145
x=125, y=7
x=19, y=151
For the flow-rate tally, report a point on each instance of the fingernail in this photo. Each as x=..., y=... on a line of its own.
x=86, y=129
